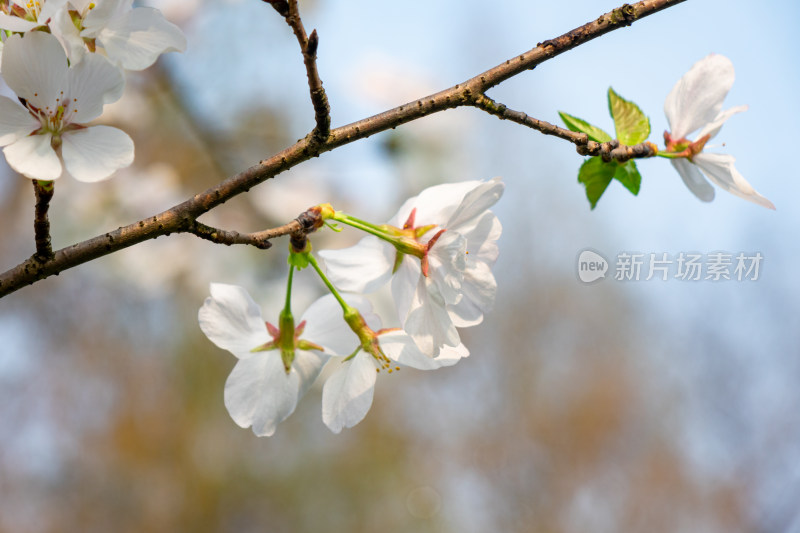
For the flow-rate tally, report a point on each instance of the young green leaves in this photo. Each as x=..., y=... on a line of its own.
x=631, y=127
x=631, y=124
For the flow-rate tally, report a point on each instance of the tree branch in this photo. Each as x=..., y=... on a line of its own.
x=308, y=45
x=607, y=150
x=182, y=217
x=41, y=223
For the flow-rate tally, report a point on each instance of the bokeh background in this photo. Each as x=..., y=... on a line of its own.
x=616, y=406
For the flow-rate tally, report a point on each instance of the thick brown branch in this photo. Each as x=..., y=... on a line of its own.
x=181, y=217
x=607, y=150
x=41, y=223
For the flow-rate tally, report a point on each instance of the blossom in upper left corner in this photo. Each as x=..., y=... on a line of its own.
x=58, y=100
x=131, y=37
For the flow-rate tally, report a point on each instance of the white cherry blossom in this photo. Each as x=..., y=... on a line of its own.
x=695, y=103
x=58, y=101
x=25, y=15
x=131, y=37
x=452, y=285
x=259, y=391
x=347, y=394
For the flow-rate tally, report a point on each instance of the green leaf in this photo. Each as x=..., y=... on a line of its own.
x=581, y=126
x=629, y=176
x=298, y=260
x=596, y=175
x=631, y=124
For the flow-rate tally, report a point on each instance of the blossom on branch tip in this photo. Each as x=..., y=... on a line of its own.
x=695, y=103
x=260, y=392
x=58, y=100
x=446, y=282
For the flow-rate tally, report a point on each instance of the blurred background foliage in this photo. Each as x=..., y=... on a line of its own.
x=646, y=406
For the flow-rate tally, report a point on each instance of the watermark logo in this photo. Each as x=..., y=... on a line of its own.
x=591, y=266
x=682, y=266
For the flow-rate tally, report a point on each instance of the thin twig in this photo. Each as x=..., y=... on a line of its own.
x=607, y=150
x=308, y=45
x=41, y=222
x=307, y=222
x=483, y=102
x=181, y=217
x=258, y=239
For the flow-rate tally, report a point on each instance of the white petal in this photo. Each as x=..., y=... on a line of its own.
x=307, y=365
x=398, y=346
x=93, y=83
x=711, y=129
x=49, y=8
x=447, y=260
x=404, y=284
x=482, y=237
x=35, y=68
x=68, y=35
x=17, y=24
x=435, y=204
x=15, y=121
x=136, y=39
x=479, y=290
x=101, y=14
x=326, y=327
x=33, y=157
x=719, y=169
x=94, y=154
x=347, y=395
x=476, y=203
x=428, y=322
x=697, y=98
x=232, y=320
x=361, y=268
x=694, y=179
x=450, y=355
x=259, y=393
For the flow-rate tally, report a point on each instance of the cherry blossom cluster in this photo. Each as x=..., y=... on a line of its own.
x=693, y=105
x=437, y=252
x=65, y=60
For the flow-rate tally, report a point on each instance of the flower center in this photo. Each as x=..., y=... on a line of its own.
x=286, y=339
x=33, y=8
x=409, y=243
x=368, y=340
x=29, y=10
x=683, y=147
x=57, y=118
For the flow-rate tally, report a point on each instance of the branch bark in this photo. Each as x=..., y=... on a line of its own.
x=182, y=218
x=319, y=99
x=41, y=223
